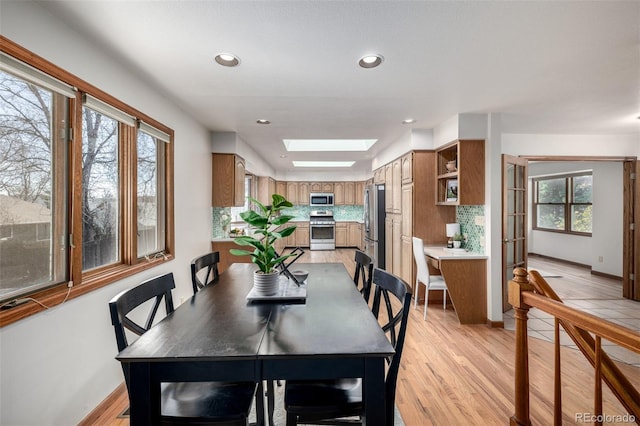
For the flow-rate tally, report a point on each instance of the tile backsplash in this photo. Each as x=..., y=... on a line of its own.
x=466, y=217
x=340, y=213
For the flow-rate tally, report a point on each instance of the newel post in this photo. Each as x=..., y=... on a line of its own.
x=518, y=285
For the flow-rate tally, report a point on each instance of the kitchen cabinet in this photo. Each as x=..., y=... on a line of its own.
x=407, y=168
x=228, y=172
x=338, y=193
x=388, y=189
x=266, y=188
x=379, y=175
x=292, y=192
x=460, y=173
x=388, y=249
x=354, y=230
x=341, y=234
x=359, y=193
x=396, y=185
x=226, y=258
x=303, y=193
x=349, y=193
x=300, y=237
x=396, y=242
x=281, y=188
x=321, y=187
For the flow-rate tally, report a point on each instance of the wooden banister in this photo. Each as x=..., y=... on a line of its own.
x=528, y=290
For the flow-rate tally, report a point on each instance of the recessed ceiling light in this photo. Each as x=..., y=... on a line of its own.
x=370, y=61
x=328, y=144
x=409, y=121
x=323, y=163
x=263, y=121
x=227, y=59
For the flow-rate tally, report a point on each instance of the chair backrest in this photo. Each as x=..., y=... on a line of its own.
x=387, y=285
x=120, y=306
x=210, y=262
x=422, y=272
x=363, y=274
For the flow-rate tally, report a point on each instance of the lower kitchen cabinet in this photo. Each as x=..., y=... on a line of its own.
x=341, y=234
x=355, y=234
x=226, y=258
x=300, y=237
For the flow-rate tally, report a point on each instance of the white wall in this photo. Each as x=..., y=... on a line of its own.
x=56, y=366
x=606, y=240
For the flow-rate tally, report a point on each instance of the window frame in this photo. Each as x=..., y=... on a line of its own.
x=79, y=282
x=568, y=203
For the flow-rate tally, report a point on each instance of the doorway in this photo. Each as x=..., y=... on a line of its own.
x=630, y=211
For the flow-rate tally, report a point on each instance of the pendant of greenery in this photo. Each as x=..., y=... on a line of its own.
x=266, y=224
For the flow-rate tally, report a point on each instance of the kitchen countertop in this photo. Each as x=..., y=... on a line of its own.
x=440, y=252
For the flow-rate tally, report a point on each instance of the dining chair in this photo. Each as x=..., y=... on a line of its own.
x=218, y=403
x=363, y=274
x=431, y=282
x=209, y=262
x=340, y=401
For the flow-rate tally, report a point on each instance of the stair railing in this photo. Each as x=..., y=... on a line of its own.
x=529, y=290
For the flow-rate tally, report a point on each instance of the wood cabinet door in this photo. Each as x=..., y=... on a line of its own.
x=281, y=188
x=355, y=235
x=292, y=192
x=406, y=272
x=341, y=236
x=407, y=168
x=238, y=190
x=359, y=194
x=397, y=245
x=302, y=236
x=397, y=186
x=349, y=193
x=388, y=189
x=303, y=193
x=388, y=247
x=407, y=210
x=338, y=193
x=327, y=187
x=315, y=187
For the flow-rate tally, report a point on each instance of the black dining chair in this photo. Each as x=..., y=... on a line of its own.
x=340, y=401
x=216, y=403
x=209, y=262
x=363, y=274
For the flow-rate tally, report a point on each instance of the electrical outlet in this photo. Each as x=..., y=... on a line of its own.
x=600, y=259
x=480, y=220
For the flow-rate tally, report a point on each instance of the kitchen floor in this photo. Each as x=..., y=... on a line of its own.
x=578, y=288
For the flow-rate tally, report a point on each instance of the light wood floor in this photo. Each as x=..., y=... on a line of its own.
x=463, y=375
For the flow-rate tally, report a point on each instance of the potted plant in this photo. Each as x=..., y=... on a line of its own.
x=457, y=240
x=266, y=225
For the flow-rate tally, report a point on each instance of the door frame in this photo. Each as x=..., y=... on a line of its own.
x=631, y=216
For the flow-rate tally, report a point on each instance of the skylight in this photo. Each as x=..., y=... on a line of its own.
x=328, y=144
x=323, y=163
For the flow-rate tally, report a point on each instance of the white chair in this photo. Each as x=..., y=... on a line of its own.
x=431, y=282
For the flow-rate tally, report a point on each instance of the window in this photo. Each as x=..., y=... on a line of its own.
x=563, y=203
x=235, y=211
x=75, y=213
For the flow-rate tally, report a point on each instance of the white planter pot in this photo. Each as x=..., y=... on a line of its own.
x=266, y=284
x=456, y=244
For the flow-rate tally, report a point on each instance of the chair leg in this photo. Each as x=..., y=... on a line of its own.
x=270, y=401
x=259, y=405
x=444, y=299
x=426, y=300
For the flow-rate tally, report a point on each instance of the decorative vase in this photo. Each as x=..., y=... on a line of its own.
x=266, y=284
x=456, y=244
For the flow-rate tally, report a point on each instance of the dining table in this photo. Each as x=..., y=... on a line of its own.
x=220, y=335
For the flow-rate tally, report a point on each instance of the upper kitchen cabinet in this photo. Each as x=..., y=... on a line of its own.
x=228, y=172
x=407, y=168
x=379, y=175
x=359, y=193
x=266, y=188
x=338, y=193
x=281, y=188
x=292, y=192
x=303, y=193
x=460, y=173
x=349, y=193
x=326, y=187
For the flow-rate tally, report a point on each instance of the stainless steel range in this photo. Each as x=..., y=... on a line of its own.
x=322, y=230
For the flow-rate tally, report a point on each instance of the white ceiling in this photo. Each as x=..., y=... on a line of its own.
x=548, y=67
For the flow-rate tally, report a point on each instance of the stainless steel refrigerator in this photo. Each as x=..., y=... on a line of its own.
x=374, y=216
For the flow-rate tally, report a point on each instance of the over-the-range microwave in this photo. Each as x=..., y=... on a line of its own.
x=320, y=199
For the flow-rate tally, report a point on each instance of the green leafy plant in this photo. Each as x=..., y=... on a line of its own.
x=266, y=224
x=458, y=237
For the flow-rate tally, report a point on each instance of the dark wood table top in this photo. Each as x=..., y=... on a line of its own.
x=219, y=324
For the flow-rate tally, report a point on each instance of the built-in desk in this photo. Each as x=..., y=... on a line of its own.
x=466, y=277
